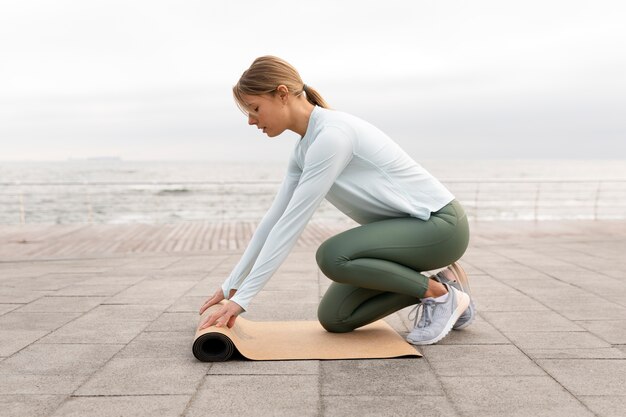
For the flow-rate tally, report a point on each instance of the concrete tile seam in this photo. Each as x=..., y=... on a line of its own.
x=536, y=300
x=358, y=396
x=265, y=374
x=193, y=396
x=122, y=395
x=446, y=394
x=89, y=377
x=583, y=359
x=534, y=361
x=555, y=278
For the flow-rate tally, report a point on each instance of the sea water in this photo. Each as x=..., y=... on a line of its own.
x=116, y=191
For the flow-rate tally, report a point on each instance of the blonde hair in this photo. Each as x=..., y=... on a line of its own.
x=265, y=75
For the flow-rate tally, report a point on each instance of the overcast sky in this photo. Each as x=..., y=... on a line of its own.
x=152, y=79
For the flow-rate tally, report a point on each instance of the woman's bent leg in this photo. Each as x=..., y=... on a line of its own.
x=345, y=307
x=376, y=267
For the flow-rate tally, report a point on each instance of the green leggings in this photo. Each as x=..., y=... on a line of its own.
x=376, y=267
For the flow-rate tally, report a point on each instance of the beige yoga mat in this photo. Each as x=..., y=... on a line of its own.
x=290, y=340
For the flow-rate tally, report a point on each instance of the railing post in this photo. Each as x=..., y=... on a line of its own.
x=89, y=208
x=22, y=211
x=536, y=209
x=595, y=203
x=476, y=202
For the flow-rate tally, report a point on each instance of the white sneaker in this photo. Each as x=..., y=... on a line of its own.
x=437, y=318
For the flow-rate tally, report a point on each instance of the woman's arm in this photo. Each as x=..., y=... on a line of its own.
x=325, y=160
x=263, y=229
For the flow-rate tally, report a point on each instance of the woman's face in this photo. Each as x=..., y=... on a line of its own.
x=267, y=112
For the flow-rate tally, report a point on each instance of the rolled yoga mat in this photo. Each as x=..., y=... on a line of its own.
x=290, y=340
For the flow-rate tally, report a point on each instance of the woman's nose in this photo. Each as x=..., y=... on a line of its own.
x=251, y=121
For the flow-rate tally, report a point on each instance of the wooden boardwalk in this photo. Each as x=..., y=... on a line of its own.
x=76, y=240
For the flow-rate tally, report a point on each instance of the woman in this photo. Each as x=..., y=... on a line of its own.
x=409, y=221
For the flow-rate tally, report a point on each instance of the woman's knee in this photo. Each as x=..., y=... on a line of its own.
x=329, y=321
x=330, y=258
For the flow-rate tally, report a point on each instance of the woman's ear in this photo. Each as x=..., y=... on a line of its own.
x=283, y=93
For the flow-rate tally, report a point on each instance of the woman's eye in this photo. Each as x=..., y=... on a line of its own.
x=256, y=109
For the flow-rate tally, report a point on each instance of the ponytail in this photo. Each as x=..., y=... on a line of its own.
x=314, y=97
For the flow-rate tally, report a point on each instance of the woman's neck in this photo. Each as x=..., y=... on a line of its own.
x=301, y=115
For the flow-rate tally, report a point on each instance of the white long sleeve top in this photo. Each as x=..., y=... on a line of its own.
x=356, y=167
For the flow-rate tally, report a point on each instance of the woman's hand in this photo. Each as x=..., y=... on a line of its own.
x=215, y=298
x=226, y=315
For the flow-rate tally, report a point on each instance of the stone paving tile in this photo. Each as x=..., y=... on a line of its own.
x=12, y=341
x=413, y=405
x=556, y=340
x=606, y=406
x=175, y=322
x=90, y=330
x=145, y=376
x=45, y=282
x=479, y=360
x=291, y=311
x=53, y=303
x=70, y=359
x=115, y=279
x=247, y=367
x=172, y=276
x=257, y=395
x=116, y=406
x=285, y=297
x=378, y=377
x=613, y=331
x=306, y=283
x=188, y=303
x=507, y=303
x=144, y=263
x=594, y=309
x=492, y=295
x=125, y=312
x=28, y=384
x=152, y=292
x=5, y=308
x=10, y=295
x=52, y=369
x=519, y=321
x=576, y=353
x=20, y=405
x=200, y=264
x=16, y=320
x=159, y=345
x=92, y=289
x=588, y=376
x=512, y=396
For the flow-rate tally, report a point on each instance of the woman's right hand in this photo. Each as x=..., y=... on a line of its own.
x=215, y=298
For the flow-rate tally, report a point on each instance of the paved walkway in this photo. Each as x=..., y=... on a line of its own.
x=99, y=320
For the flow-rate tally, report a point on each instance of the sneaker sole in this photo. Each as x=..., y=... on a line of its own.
x=472, y=308
x=463, y=280
x=462, y=302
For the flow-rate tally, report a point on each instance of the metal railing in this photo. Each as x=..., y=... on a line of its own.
x=166, y=202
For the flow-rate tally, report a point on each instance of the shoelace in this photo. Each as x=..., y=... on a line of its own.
x=427, y=308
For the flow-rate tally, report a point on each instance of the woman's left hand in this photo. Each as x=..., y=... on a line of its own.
x=225, y=315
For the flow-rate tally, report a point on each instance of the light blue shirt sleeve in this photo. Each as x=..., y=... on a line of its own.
x=243, y=267
x=326, y=158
